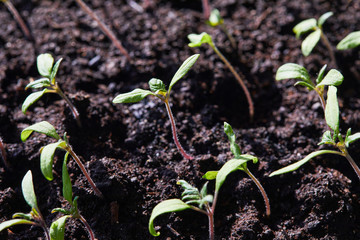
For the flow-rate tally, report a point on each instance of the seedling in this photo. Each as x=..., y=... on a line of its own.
x=158, y=90
x=352, y=40
x=215, y=20
x=106, y=30
x=47, y=69
x=202, y=202
x=57, y=228
x=18, y=18
x=331, y=109
x=196, y=40
x=313, y=38
x=34, y=217
x=47, y=152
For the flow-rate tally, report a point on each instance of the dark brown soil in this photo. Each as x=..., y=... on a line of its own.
x=128, y=148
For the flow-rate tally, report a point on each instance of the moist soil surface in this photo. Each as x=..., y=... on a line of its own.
x=128, y=148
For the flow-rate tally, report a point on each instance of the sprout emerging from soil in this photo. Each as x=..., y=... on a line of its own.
x=48, y=151
x=331, y=109
x=352, y=40
x=313, y=38
x=196, y=40
x=47, y=69
x=57, y=228
x=215, y=20
x=158, y=90
x=34, y=217
x=201, y=201
x=18, y=18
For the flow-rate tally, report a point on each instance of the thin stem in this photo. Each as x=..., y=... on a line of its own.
x=18, y=18
x=83, y=169
x=104, y=28
x=351, y=161
x=206, y=9
x=87, y=226
x=210, y=215
x=73, y=109
x=174, y=132
x=329, y=47
x=262, y=190
x=230, y=37
x=238, y=78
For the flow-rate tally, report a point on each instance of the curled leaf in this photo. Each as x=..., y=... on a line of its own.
x=304, y=26
x=67, y=186
x=310, y=42
x=167, y=206
x=323, y=18
x=156, y=85
x=42, y=82
x=47, y=159
x=27, y=187
x=135, y=95
x=55, y=70
x=293, y=71
x=32, y=98
x=235, y=149
x=196, y=40
x=332, y=109
x=57, y=228
x=215, y=18
x=13, y=222
x=44, y=64
x=43, y=127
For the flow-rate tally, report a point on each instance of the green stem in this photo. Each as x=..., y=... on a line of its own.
x=104, y=28
x=73, y=109
x=83, y=169
x=238, y=78
x=18, y=18
x=329, y=47
x=87, y=226
x=351, y=161
x=262, y=190
x=174, y=132
x=232, y=40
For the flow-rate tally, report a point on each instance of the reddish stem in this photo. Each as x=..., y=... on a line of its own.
x=18, y=18
x=206, y=9
x=88, y=228
x=174, y=132
x=106, y=30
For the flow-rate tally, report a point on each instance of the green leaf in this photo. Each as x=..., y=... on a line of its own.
x=13, y=222
x=203, y=190
x=210, y=175
x=305, y=84
x=135, y=95
x=157, y=85
x=294, y=166
x=229, y=167
x=304, y=26
x=352, y=138
x=67, y=186
x=55, y=70
x=333, y=78
x=57, y=228
x=45, y=64
x=40, y=127
x=183, y=69
x=196, y=40
x=215, y=18
x=310, y=42
x=293, y=71
x=61, y=210
x=26, y=216
x=327, y=139
x=321, y=74
x=323, y=18
x=27, y=187
x=47, y=159
x=167, y=206
x=235, y=149
x=32, y=98
x=350, y=41
x=332, y=109
x=42, y=82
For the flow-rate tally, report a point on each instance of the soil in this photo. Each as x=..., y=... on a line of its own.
x=128, y=148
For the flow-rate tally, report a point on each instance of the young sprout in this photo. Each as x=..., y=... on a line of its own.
x=331, y=109
x=313, y=38
x=34, y=217
x=158, y=90
x=202, y=202
x=106, y=30
x=18, y=18
x=47, y=152
x=196, y=40
x=352, y=40
x=215, y=20
x=47, y=69
x=57, y=228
